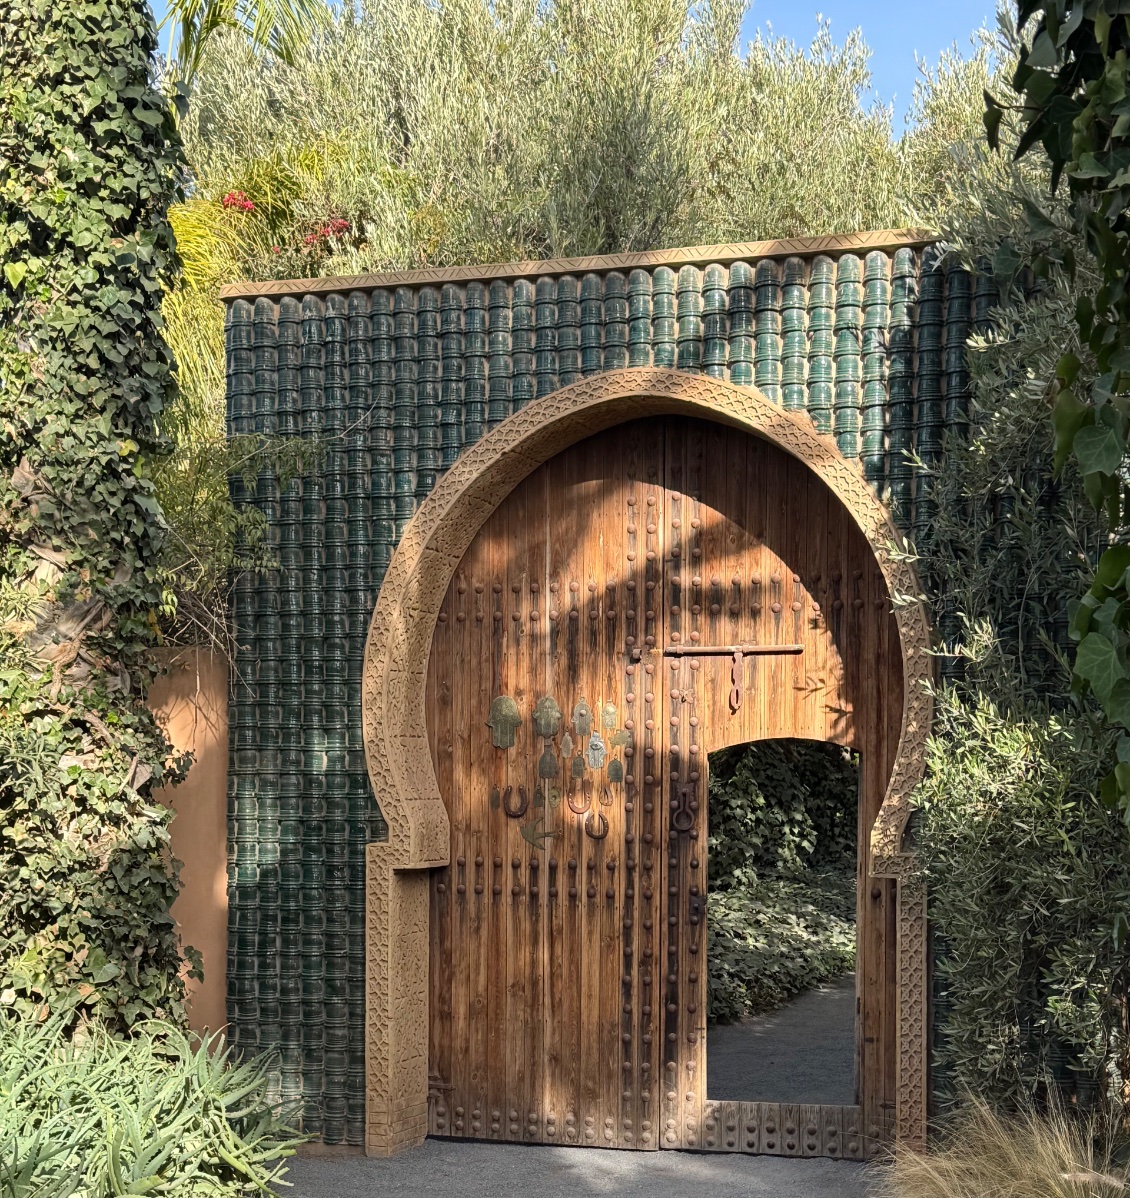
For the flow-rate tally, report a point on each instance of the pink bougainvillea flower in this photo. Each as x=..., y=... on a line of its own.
x=238, y=200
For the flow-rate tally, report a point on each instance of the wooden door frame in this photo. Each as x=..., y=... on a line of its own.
x=395, y=729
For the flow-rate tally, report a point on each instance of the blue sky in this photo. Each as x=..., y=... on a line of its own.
x=894, y=29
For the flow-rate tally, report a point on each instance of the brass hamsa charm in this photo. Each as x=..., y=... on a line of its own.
x=547, y=763
x=596, y=752
x=547, y=716
x=582, y=719
x=503, y=720
x=615, y=770
x=608, y=715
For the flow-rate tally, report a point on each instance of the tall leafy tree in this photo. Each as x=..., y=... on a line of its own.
x=1072, y=84
x=90, y=162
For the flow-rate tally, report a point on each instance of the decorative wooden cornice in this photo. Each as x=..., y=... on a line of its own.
x=701, y=255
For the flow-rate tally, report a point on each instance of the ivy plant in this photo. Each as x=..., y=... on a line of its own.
x=1072, y=84
x=89, y=163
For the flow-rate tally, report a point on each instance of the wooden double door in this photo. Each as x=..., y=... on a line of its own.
x=661, y=590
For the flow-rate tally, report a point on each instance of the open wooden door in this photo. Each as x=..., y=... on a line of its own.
x=583, y=666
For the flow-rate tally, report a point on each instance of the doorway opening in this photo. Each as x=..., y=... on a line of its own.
x=782, y=1000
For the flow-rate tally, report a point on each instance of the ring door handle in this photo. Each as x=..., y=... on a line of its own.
x=683, y=808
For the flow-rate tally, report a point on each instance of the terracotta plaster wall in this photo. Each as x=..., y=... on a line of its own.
x=190, y=698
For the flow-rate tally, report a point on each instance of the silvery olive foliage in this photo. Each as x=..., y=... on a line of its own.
x=1070, y=96
x=1027, y=870
x=415, y=134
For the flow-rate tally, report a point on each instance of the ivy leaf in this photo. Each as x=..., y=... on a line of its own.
x=1112, y=565
x=992, y=119
x=1006, y=261
x=1068, y=417
x=1097, y=662
x=1042, y=54
x=1117, y=709
x=15, y=273
x=1098, y=449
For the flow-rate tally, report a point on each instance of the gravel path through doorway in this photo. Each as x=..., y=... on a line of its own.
x=440, y=1168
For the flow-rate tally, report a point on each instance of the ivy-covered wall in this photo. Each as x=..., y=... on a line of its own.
x=89, y=162
x=393, y=383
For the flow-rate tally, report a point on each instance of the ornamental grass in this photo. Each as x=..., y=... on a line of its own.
x=985, y=1154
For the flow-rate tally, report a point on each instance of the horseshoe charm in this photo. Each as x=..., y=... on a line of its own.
x=515, y=811
x=603, y=825
x=574, y=807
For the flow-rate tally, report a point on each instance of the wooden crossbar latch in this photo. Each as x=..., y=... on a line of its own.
x=738, y=653
x=728, y=650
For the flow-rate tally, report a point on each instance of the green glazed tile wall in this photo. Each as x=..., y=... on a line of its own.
x=394, y=383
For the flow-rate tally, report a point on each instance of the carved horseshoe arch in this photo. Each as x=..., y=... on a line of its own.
x=394, y=718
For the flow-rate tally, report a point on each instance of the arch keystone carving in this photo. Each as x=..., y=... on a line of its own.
x=395, y=725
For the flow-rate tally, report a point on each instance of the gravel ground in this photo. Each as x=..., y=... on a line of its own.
x=805, y=1052
x=474, y=1170
x=802, y=1053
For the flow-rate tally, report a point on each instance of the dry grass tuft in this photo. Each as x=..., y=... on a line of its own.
x=986, y=1155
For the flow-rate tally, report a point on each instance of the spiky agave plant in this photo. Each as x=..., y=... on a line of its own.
x=158, y=1113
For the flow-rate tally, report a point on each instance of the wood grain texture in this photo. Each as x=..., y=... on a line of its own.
x=668, y=534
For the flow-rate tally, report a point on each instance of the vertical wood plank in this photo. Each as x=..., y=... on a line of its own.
x=498, y=961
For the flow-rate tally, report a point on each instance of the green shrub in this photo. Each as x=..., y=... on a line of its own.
x=155, y=1114
x=771, y=940
x=1027, y=871
x=782, y=873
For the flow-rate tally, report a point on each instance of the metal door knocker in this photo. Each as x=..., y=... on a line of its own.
x=547, y=763
x=515, y=811
x=737, y=677
x=683, y=808
x=596, y=751
x=547, y=717
x=503, y=720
